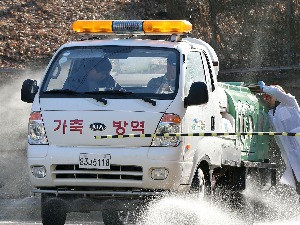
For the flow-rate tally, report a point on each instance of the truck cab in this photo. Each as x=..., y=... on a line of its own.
x=122, y=119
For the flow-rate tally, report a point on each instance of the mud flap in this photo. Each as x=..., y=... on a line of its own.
x=264, y=174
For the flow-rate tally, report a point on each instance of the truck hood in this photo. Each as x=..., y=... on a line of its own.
x=77, y=121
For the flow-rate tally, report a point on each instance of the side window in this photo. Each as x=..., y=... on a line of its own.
x=208, y=72
x=59, y=74
x=194, y=70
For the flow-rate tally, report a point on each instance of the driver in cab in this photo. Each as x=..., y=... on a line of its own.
x=166, y=83
x=96, y=78
x=99, y=77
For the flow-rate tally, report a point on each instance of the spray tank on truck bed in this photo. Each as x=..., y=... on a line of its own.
x=246, y=159
x=250, y=115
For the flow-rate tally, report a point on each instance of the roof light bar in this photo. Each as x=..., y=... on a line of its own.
x=150, y=27
x=131, y=26
x=167, y=26
x=92, y=26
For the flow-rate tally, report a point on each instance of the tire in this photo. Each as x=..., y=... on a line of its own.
x=113, y=215
x=254, y=202
x=248, y=202
x=199, y=184
x=53, y=211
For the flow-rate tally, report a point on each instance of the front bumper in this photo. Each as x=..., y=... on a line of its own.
x=102, y=193
x=131, y=170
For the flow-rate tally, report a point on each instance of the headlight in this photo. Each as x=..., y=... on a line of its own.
x=159, y=173
x=169, y=123
x=38, y=171
x=36, y=130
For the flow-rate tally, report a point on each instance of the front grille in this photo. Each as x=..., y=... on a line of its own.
x=116, y=172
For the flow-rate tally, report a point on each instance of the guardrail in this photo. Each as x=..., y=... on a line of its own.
x=260, y=69
x=12, y=70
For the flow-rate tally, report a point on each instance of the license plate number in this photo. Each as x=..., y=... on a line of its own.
x=94, y=161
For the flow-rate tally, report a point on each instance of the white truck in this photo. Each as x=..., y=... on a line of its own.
x=91, y=140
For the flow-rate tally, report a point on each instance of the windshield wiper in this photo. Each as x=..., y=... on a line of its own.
x=71, y=92
x=118, y=92
x=61, y=91
x=153, y=102
x=108, y=91
x=99, y=99
x=124, y=92
x=93, y=95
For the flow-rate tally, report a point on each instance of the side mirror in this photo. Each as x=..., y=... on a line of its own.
x=28, y=90
x=198, y=94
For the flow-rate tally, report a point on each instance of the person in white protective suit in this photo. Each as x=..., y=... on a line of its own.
x=284, y=116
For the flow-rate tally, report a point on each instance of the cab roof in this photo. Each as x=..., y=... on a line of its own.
x=124, y=42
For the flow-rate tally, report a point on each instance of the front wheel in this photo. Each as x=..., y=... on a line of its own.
x=199, y=184
x=112, y=214
x=53, y=211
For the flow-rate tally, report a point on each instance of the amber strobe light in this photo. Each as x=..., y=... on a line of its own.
x=154, y=27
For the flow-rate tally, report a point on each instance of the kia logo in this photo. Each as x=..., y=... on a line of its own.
x=97, y=126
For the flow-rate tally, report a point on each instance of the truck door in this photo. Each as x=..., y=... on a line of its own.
x=201, y=118
x=211, y=83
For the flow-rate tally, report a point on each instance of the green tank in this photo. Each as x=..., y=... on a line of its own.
x=251, y=115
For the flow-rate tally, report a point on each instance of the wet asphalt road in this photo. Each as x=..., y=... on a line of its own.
x=27, y=211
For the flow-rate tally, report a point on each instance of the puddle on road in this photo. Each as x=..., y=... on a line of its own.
x=187, y=210
x=278, y=206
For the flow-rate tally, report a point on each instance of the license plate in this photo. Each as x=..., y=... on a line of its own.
x=94, y=161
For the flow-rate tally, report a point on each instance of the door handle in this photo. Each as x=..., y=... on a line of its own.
x=212, y=123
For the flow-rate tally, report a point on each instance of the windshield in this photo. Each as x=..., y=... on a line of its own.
x=109, y=70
